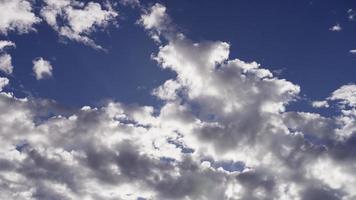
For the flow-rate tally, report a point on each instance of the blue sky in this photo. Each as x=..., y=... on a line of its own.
x=291, y=38
x=177, y=100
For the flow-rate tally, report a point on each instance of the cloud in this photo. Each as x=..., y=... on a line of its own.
x=6, y=64
x=17, y=15
x=42, y=68
x=132, y=3
x=223, y=132
x=76, y=20
x=3, y=82
x=5, y=59
x=4, y=44
x=345, y=94
x=336, y=28
x=320, y=104
x=353, y=51
x=351, y=14
x=156, y=20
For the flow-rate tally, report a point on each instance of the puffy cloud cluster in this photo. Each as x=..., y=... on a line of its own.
x=76, y=20
x=17, y=15
x=222, y=132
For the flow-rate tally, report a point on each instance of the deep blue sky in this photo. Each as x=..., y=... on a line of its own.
x=291, y=36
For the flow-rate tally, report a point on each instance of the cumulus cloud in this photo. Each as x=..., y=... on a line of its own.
x=157, y=21
x=5, y=59
x=222, y=132
x=345, y=94
x=17, y=15
x=336, y=28
x=353, y=51
x=76, y=20
x=3, y=82
x=320, y=104
x=42, y=68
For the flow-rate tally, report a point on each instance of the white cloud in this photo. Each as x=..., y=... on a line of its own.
x=6, y=63
x=320, y=104
x=5, y=43
x=17, y=15
x=353, y=51
x=42, y=68
x=3, y=82
x=351, y=14
x=222, y=132
x=345, y=94
x=156, y=20
x=76, y=20
x=336, y=28
x=5, y=59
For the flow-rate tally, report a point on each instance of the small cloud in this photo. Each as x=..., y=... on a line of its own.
x=335, y=28
x=6, y=63
x=351, y=14
x=353, y=51
x=42, y=68
x=320, y=104
x=3, y=82
x=5, y=59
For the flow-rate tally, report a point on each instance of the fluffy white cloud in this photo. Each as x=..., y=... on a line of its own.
x=16, y=15
x=42, y=68
x=222, y=132
x=345, y=94
x=156, y=20
x=353, y=51
x=336, y=28
x=6, y=43
x=320, y=104
x=6, y=64
x=5, y=59
x=3, y=82
x=76, y=20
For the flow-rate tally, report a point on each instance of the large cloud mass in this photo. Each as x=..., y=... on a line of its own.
x=223, y=132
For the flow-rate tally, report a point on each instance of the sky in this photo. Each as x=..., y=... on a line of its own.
x=200, y=100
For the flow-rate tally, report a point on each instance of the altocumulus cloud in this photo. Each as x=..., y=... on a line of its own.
x=223, y=132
